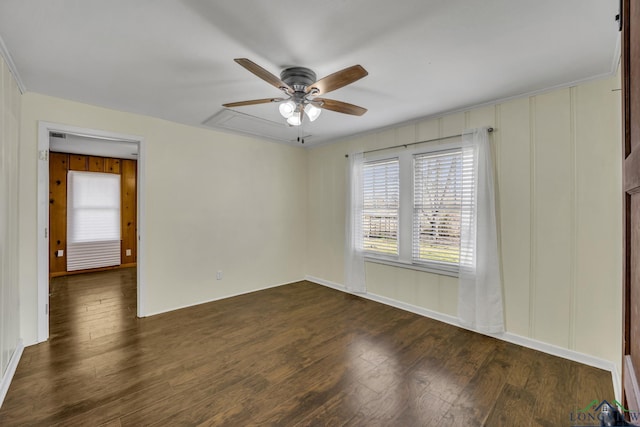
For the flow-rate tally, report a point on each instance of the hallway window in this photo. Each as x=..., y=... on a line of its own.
x=93, y=220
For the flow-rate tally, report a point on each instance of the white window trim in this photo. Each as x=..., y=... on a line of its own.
x=428, y=268
x=404, y=259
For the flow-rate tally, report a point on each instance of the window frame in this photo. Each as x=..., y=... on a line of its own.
x=439, y=265
x=76, y=212
x=404, y=259
x=97, y=248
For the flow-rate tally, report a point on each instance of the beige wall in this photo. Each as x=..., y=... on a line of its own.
x=559, y=172
x=214, y=201
x=9, y=127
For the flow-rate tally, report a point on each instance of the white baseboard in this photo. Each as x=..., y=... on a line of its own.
x=11, y=370
x=531, y=343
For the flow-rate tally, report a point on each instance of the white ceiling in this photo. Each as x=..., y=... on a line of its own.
x=173, y=59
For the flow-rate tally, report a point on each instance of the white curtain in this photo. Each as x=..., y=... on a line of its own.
x=480, y=287
x=354, y=258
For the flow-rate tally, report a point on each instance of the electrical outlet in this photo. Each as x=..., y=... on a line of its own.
x=219, y=275
x=60, y=252
x=127, y=252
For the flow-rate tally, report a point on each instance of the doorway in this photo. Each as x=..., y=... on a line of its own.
x=87, y=142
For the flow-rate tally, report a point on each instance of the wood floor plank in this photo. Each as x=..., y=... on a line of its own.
x=112, y=409
x=299, y=354
x=558, y=380
x=478, y=397
x=514, y=407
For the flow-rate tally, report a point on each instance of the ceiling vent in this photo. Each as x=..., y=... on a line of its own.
x=251, y=125
x=57, y=135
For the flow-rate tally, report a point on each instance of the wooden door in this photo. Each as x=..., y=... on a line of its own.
x=631, y=177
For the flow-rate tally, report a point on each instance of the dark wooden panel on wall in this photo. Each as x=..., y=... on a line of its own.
x=96, y=164
x=111, y=165
x=78, y=162
x=128, y=214
x=58, y=166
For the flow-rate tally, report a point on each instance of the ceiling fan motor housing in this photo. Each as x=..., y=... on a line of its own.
x=298, y=78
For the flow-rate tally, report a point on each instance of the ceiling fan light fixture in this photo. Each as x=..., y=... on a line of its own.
x=287, y=109
x=294, y=120
x=312, y=111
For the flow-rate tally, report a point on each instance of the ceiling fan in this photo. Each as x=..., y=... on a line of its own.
x=302, y=90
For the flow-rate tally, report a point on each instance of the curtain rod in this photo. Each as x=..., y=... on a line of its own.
x=414, y=143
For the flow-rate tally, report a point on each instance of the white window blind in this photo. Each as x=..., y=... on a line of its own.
x=381, y=186
x=93, y=220
x=440, y=179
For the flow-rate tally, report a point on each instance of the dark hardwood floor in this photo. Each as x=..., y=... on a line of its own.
x=299, y=354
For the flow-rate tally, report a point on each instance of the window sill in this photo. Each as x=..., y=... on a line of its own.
x=417, y=267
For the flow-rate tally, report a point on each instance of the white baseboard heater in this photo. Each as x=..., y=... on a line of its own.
x=87, y=255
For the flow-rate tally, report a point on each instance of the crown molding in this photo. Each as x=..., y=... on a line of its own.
x=4, y=52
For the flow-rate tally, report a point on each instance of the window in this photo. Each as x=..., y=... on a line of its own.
x=431, y=208
x=381, y=202
x=437, y=205
x=93, y=220
x=414, y=205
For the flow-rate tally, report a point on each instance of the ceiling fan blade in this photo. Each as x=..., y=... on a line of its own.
x=338, y=79
x=340, y=107
x=252, y=102
x=264, y=74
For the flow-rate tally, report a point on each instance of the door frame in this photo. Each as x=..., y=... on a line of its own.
x=630, y=189
x=44, y=130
